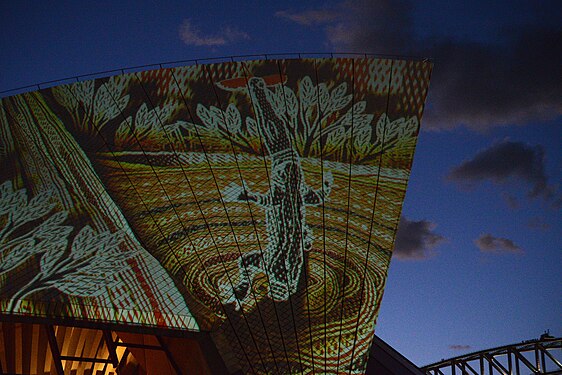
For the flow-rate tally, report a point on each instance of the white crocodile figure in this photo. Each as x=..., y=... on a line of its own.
x=284, y=205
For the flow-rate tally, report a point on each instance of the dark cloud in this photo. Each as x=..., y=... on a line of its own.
x=511, y=200
x=505, y=160
x=416, y=240
x=538, y=223
x=481, y=85
x=382, y=26
x=460, y=347
x=490, y=244
x=474, y=83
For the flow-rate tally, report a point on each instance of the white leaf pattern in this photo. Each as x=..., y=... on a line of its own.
x=18, y=240
x=291, y=102
x=92, y=266
x=252, y=127
x=311, y=112
x=307, y=92
x=53, y=255
x=95, y=261
x=17, y=255
x=92, y=109
x=217, y=117
x=233, y=119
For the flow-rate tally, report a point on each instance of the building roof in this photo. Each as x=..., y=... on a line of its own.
x=256, y=201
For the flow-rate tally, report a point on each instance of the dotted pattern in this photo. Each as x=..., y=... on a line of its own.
x=415, y=79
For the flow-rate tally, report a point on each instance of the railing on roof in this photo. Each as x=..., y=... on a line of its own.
x=172, y=64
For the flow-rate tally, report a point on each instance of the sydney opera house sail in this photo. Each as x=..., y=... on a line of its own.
x=256, y=201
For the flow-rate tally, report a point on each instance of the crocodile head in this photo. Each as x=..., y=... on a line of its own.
x=276, y=138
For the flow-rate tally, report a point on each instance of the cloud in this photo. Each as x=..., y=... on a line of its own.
x=511, y=200
x=505, y=160
x=311, y=17
x=382, y=26
x=192, y=36
x=234, y=35
x=490, y=244
x=415, y=240
x=481, y=85
x=475, y=84
x=538, y=223
x=460, y=347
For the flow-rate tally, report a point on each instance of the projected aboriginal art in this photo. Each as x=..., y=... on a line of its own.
x=256, y=200
x=284, y=205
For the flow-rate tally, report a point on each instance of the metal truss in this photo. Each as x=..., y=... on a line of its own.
x=543, y=356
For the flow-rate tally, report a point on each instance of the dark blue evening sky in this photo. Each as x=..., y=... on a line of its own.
x=496, y=90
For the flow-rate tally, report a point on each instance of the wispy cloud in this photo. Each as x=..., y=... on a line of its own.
x=460, y=347
x=192, y=36
x=415, y=240
x=505, y=162
x=538, y=223
x=511, y=200
x=381, y=26
x=310, y=17
x=475, y=84
x=498, y=245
